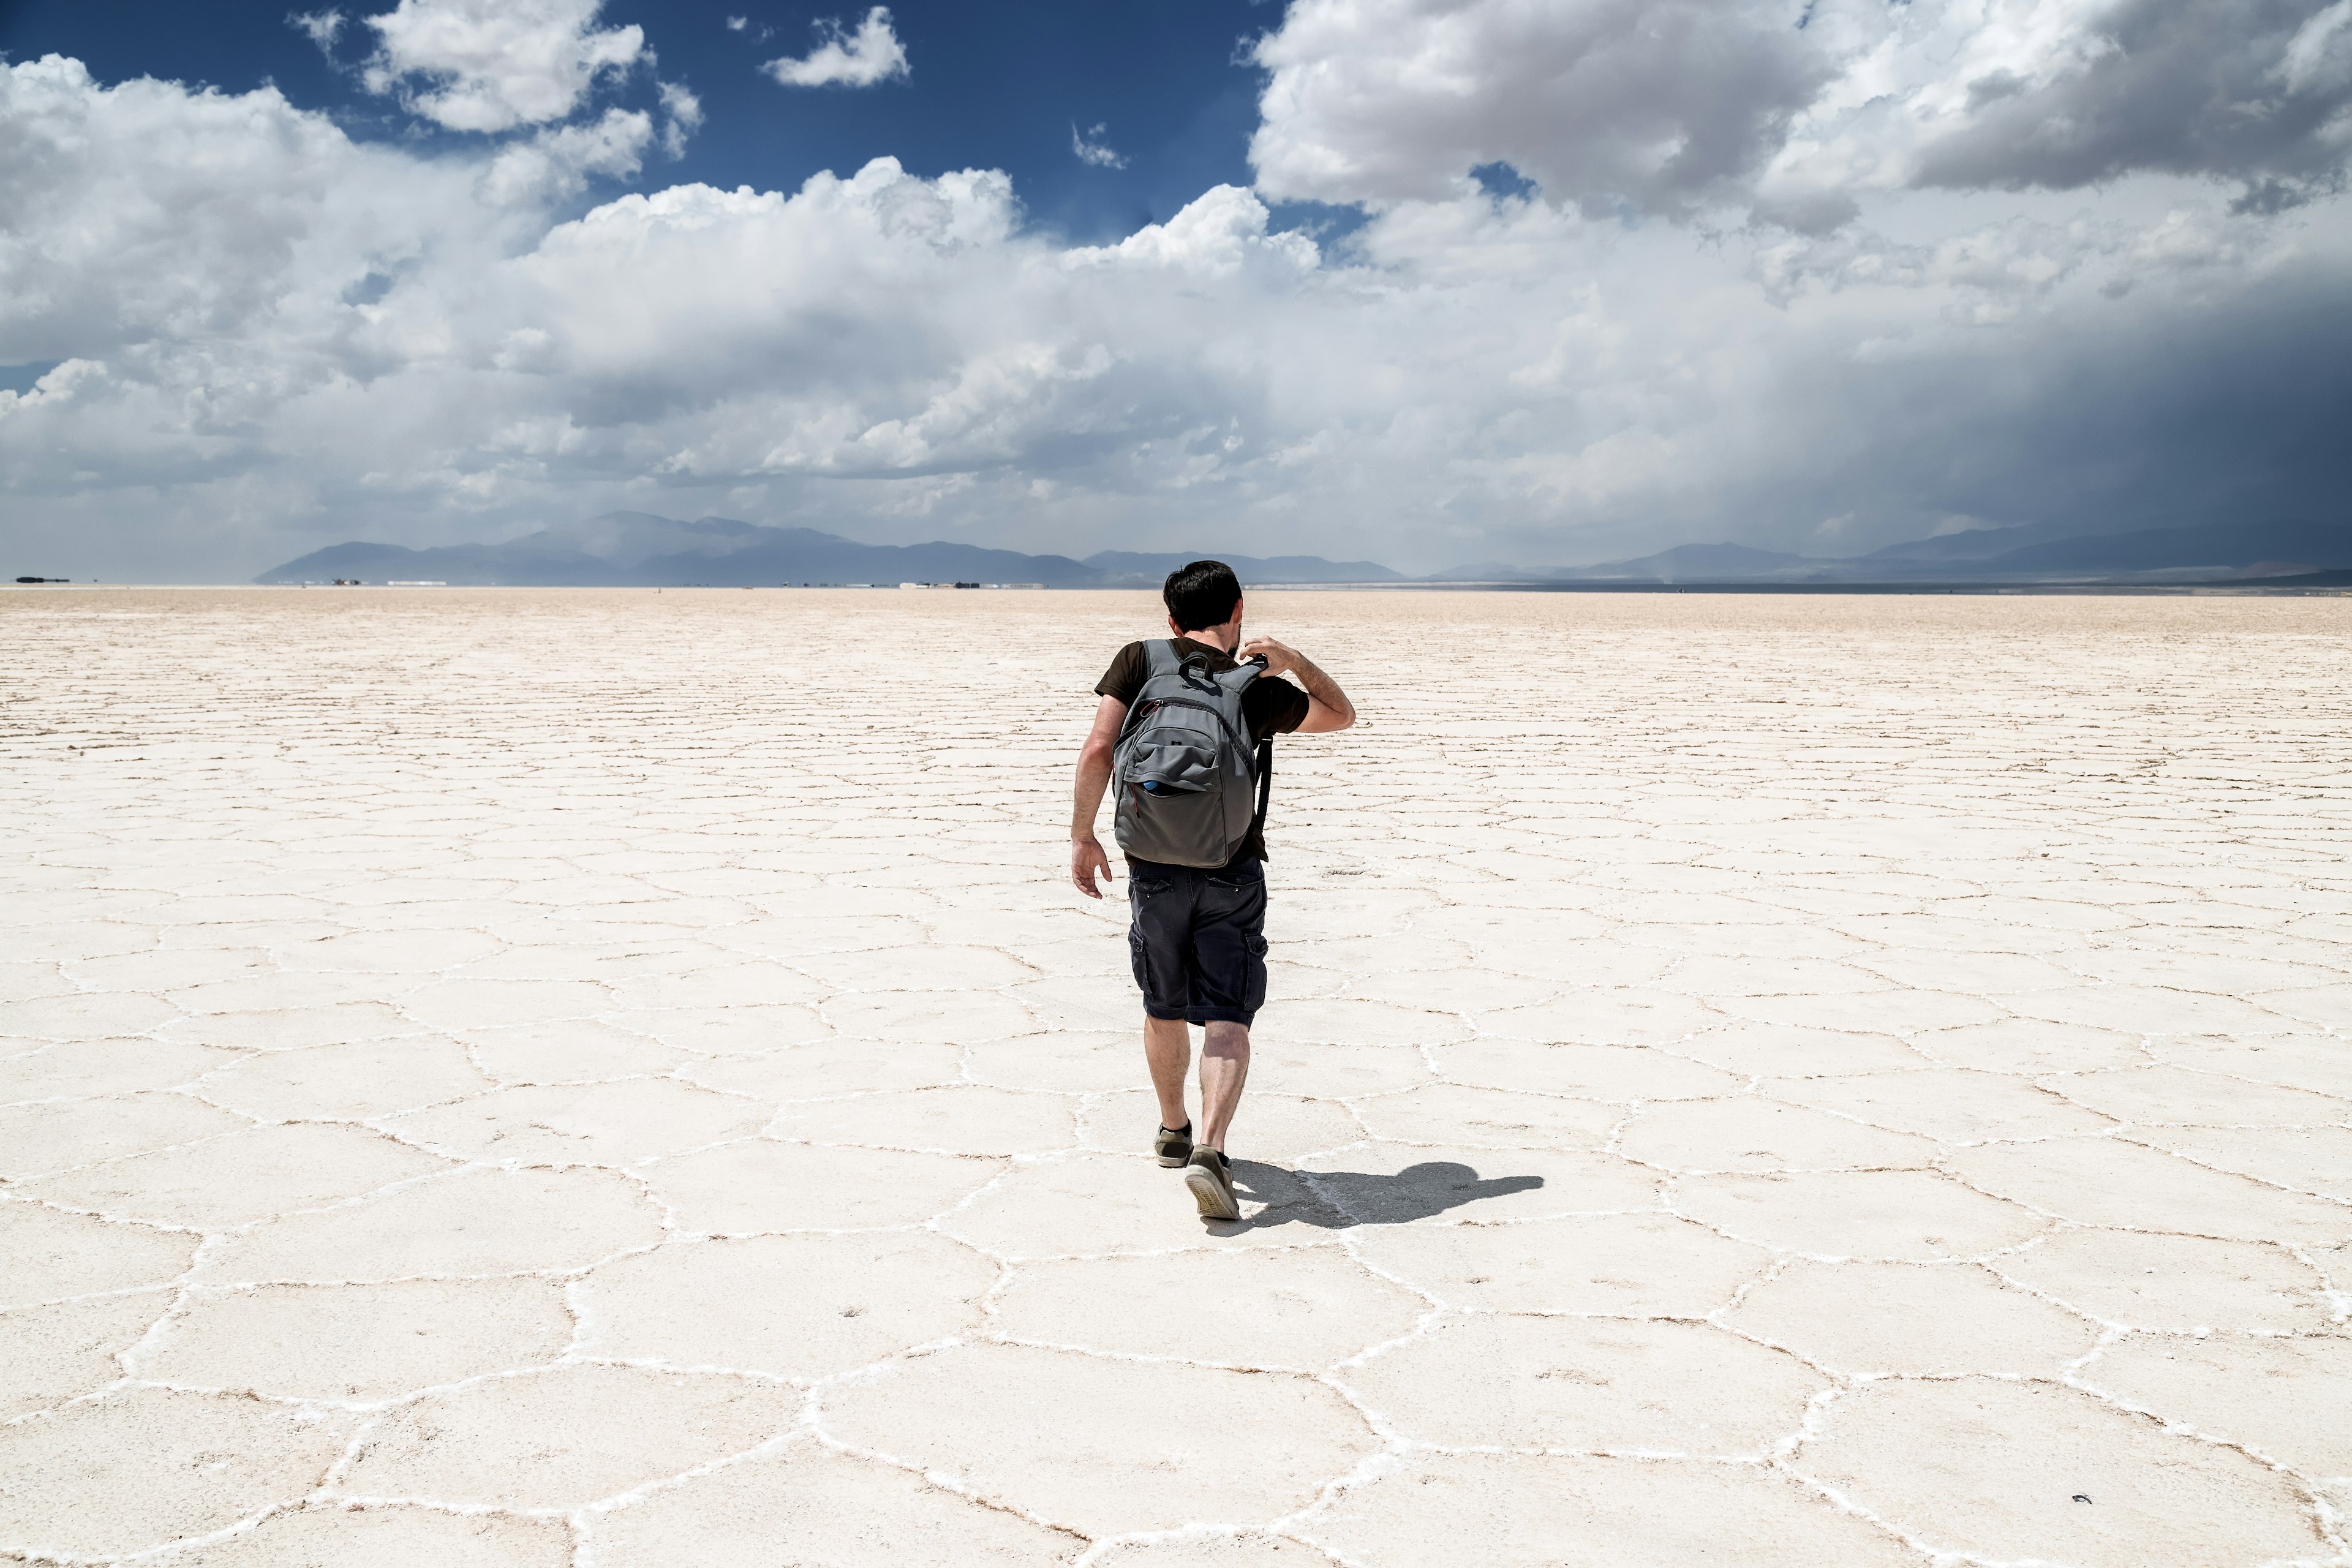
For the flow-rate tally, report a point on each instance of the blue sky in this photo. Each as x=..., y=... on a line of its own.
x=990, y=87
x=1427, y=281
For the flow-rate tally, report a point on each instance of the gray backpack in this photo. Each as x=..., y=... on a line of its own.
x=1189, y=785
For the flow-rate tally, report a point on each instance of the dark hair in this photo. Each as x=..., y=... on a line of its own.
x=1202, y=595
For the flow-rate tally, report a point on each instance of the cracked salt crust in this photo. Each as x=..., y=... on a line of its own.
x=606, y=1080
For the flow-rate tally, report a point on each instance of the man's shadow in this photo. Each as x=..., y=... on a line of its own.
x=1337, y=1200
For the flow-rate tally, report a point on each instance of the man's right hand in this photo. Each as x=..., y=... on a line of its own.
x=1328, y=708
x=1281, y=658
x=1087, y=861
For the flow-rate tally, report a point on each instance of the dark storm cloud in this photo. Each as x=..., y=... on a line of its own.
x=2134, y=415
x=2253, y=91
x=2164, y=418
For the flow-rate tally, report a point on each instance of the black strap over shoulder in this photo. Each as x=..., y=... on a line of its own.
x=1264, y=784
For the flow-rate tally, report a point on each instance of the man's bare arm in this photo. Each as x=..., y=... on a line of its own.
x=1328, y=708
x=1087, y=860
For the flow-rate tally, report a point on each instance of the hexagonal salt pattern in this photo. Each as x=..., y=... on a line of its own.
x=566, y=1078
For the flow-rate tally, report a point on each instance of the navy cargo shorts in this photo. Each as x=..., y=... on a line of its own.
x=1198, y=940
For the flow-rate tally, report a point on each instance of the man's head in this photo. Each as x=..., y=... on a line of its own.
x=1201, y=596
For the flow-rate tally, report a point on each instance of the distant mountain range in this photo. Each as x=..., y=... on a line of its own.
x=637, y=549
x=2033, y=552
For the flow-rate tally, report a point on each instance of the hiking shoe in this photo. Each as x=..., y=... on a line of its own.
x=1173, y=1148
x=1210, y=1176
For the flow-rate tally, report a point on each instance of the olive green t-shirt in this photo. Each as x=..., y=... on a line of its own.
x=1271, y=706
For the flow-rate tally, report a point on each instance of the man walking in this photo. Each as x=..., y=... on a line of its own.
x=1197, y=937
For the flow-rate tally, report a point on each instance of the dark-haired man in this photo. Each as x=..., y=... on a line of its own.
x=1197, y=937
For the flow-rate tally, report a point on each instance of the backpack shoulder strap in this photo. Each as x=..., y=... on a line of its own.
x=1161, y=665
x=1239, y=679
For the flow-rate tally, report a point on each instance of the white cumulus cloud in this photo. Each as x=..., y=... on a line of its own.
x=557, y=161
x=872, y=54
x=1662, y=103
x=1222, y=230
x=322, y=28
x=493, y=65
x=1091, y=148
x=683, y=116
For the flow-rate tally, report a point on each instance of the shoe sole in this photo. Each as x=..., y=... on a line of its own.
x=1171, y=1162
x=1210, y=1193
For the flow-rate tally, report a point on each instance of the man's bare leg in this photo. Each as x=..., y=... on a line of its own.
x=1224, y=1067
x=1168, y=1046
